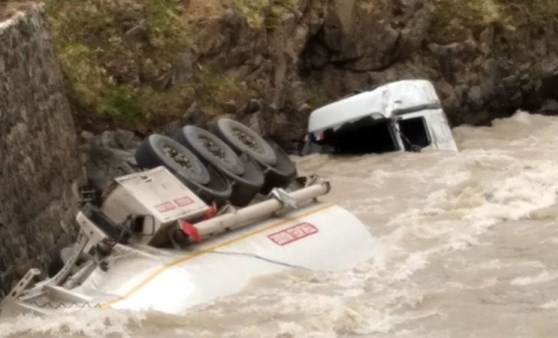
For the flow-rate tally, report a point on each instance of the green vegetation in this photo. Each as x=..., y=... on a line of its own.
x=219, y=88
x=165, y=106
x=254, y=11
x=126, y=79
x=103, y=68
x=87, y=79
x=214, y=83
x=264, y=13
x=121, y=103
x=456, y=20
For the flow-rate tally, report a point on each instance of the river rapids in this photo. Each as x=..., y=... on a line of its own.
x=466, y=247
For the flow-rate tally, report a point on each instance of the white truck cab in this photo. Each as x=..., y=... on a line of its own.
x=399, y=116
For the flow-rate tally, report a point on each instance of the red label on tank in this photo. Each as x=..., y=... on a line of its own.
x=164, y=207
x=183, y=201
x=293, y=233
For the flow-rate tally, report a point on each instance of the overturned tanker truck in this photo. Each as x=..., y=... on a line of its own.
x=207, y=212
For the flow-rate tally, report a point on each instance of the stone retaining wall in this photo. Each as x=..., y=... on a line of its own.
x=39, y=161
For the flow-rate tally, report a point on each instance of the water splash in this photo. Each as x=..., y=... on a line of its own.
x=466, y=247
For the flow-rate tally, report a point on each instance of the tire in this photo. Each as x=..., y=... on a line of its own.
x=159, y=150
x=207, y=183
x=246, y=187
x=211, y=148
x=244, y=140
x=282, y=174
x=242, y=171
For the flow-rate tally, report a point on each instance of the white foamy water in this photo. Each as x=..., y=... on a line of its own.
x=467, y=247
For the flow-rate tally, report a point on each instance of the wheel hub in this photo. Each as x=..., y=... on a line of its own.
x=248, y=140
x=213, y=148
x=178, y=157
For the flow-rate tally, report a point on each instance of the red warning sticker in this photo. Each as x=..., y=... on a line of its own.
x=183, y=201
x=164, y=207
x=293, y=233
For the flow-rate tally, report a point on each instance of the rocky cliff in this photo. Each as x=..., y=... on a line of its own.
x=141, y=64
x=40, y=166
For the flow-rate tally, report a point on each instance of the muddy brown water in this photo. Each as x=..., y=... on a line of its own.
x=467, y=247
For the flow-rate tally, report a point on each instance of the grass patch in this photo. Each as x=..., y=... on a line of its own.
x=218, y=87
x=86, y=78
x=105, y=70
x=166, y=105
x=457, y=20
x=265, y=13
x=254, y=11
x=121, y=103
x=165, y=23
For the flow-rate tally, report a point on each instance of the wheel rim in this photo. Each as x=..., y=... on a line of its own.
x=178, y=158
x=248, y=140
x=245, y=140
x=213, y=148
x=218, y=152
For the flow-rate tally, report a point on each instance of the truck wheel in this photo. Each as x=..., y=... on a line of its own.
x=245, y=140
x=210, y=148
x=242, y=171
x=159, y=150
x=208, y=183
x=282, y=173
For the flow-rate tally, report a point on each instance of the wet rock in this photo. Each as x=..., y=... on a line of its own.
x=138, y=33
x=108, y=155
x=182, y=68
x=253, y=106
x=232, y=21
x=361, y=37
x=549, y=107
x=181, y=71
x=38, y=149
x=475, y=97
x=192, y=109
x=549, y=85
x=304, y=109
x=230, y=107
x=21, y=269
x=254, y=122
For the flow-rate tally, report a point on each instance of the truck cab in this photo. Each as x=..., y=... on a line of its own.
x=400, y=116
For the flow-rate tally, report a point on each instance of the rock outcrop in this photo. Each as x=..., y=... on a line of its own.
x=108, y=155
x=141, y=64
x=40, y=167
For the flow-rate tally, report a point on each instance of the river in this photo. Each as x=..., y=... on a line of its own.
x=467, y=247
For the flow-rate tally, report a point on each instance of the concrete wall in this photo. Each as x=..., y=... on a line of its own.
x=39, y=161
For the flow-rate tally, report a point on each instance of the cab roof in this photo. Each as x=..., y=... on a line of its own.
x=392, y=99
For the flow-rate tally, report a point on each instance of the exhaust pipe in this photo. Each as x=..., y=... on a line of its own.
x=246, y=216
